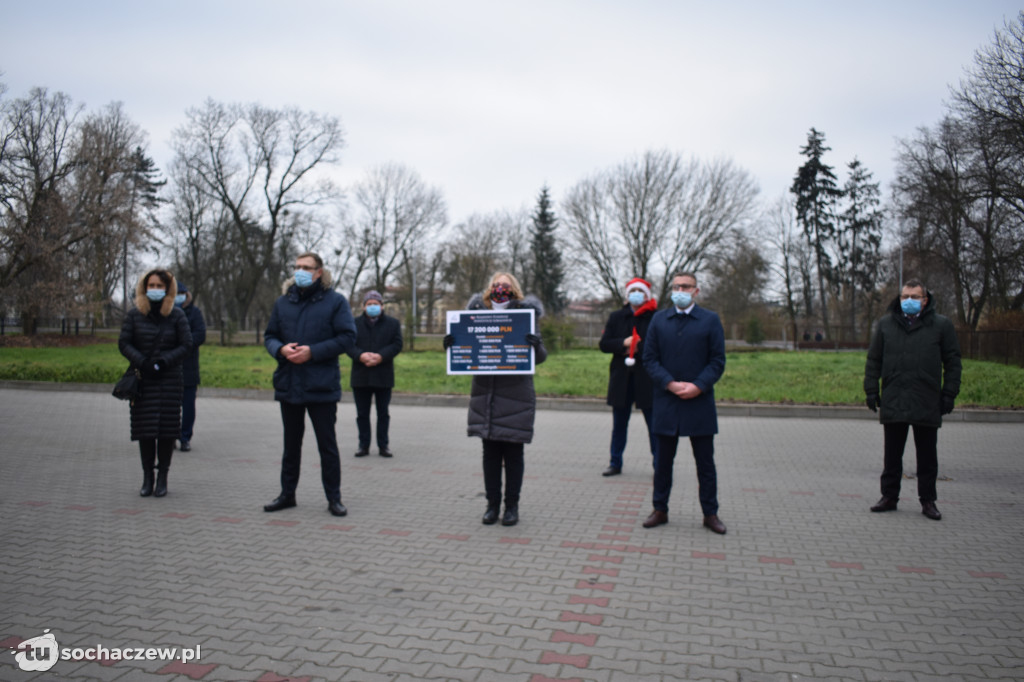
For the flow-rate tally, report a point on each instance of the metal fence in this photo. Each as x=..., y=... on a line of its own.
x=997, y=345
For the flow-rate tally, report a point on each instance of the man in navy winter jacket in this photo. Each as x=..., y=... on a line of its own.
x=310, y=326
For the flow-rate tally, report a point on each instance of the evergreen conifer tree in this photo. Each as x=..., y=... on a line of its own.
x=548, y=271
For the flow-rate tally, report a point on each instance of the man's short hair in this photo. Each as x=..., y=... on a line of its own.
x=915, y=283
x=314, y=256
x=685, y=274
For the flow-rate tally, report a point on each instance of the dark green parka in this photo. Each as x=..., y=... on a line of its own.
x=916, y=363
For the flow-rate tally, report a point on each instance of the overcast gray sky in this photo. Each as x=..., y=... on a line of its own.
x=488, y=101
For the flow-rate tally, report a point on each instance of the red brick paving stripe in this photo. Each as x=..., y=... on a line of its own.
x=587, y=585
x=334, y=526
x=11, y=642
x=610, y=572
x=272, y=677
x=175, y=515
x=623, y=512
x=618, y=528
x=449, y=536
x=34, y=503
x=775, y=560
x=573, y=617
x=537, y=677
x=603, y=557
x=563, y=636
x=591, y=601
x=841, y=564
x=515, y=541
x=79, y=507
x=580, y=661
x=196, y=671
x=707, y=555
x=915, y=569
x=128, y=512
x=973, y=574
x=399, y=533
x=628, y=505
x=282, y=523
x=226, y=519
x=569, y=544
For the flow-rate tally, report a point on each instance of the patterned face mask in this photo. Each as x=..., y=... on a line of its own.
x=501, y=293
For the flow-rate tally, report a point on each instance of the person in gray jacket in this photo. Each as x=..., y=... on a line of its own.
x=916, y=355
x=502, y=407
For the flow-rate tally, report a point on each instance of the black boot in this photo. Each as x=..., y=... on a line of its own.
x=147, y=483
x=511, y=516
x=491, y=515
x=161, y=483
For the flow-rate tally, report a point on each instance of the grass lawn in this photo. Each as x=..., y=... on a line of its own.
x=818, y=378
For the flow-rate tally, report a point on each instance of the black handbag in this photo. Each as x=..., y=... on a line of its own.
x=128, y=386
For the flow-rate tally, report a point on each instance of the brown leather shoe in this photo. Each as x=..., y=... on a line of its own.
x=657, y=518
x=714, y=524
x=931, y=511
x=885, y=504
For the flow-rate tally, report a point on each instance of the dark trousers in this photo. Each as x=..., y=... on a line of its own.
x=925, y=442
x=188, y=412
x=496, y=454
x=620, y=428
x=707, y=477
x=364, y=397
x=323, y=417
x=156, y=452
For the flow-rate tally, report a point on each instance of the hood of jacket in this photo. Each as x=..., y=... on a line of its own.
x=476, y=302
x=928, y=309
x=325, y=281
x=143, y=303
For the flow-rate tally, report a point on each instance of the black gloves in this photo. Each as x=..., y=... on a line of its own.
x=873, y=402
x=449, y=341
x=533, y=340
x=947, y=403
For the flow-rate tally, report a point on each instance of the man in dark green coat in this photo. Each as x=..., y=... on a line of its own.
x=915, y=353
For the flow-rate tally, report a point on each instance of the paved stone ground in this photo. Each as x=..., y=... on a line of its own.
x=410, y=586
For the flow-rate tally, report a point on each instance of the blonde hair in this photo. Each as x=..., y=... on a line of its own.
x=517, y=291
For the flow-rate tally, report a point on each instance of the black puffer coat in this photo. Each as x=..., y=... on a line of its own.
x=196, y=325
x=503, y=407
x=148, y=332
x=916, y=363
x=620, y=326
x=384, y=337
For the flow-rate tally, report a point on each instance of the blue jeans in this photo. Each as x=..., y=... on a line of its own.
x=620, y=428
x=707, y=477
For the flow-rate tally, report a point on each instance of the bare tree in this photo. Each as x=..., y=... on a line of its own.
x=655, y=215
x=481, y=245
x=262, y=166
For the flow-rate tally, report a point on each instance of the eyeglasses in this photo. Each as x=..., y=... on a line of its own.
x=307, y=268
x=683, y=287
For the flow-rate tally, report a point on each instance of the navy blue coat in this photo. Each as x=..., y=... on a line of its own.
x=196, y=325
x=383, y=337
x=321, y=319
x=691, y=348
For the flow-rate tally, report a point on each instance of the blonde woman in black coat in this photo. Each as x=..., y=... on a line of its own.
x=502, y=408
x=155, y=338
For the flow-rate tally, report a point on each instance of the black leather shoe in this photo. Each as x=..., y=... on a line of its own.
x=714, y=524
x=161, y=484
x=147, y=484
x=885, y=504
x=511, y=516
x=612, y=471
x=185, y=446
x=385, y=452
x=657, y=518
x=362, y=452
x=490, y=516
x=931, y=511
x=281, y=502
x=337, y=508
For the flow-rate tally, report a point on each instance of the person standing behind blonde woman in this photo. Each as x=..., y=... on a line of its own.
x=155, y=337
x=502, y=407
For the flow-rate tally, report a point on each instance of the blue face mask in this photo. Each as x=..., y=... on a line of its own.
x=179, y=299
x=303, y=278
x=636, y=298
x=910, y=306
x=682, y=299
x=155, y=295
x=373, y=310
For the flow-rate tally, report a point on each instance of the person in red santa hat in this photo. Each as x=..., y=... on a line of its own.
x=628, y=382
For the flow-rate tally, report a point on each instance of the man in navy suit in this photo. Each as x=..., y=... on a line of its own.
x=685, y=356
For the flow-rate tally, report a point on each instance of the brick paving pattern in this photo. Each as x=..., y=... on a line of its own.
x=806, y=585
